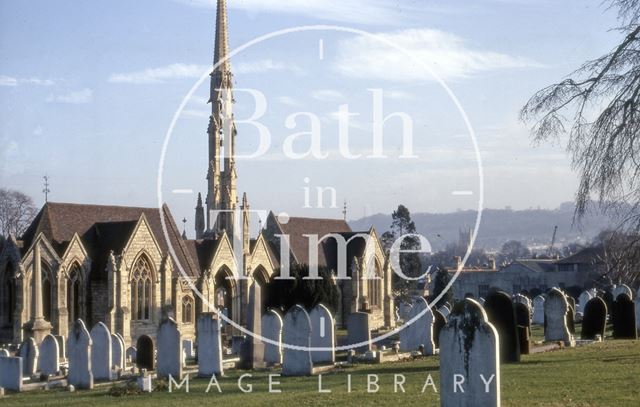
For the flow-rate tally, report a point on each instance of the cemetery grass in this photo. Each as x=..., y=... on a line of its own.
x=603, y=374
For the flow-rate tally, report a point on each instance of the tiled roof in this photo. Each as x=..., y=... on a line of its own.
x=102, y=228
x=589, y=255
x=296, y=228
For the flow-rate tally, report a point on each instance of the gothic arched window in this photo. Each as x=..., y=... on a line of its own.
x=373, y=286
x=141, y=291
x=73, y=293
x=187, y=310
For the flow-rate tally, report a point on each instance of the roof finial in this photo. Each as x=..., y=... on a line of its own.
x=184, y=228
x=46, y=189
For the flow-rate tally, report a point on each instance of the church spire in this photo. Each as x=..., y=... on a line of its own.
x=221, y=175
x=222, y=35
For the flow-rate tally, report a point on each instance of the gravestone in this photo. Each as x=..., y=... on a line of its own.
x=272, y=329
x=29, y=353
x=594, y=320
x=11, y=373
x=638, y=309
x=297, y=332
x=79, y=355
x=145, y=353
x=358, y=331
x=469, y=354
x=62, y=346
x=209, y=342
x=523, y=314
x=130, y=355
x=521, y=299
x=624, y=318
x=404, y=310
x=252, y=354
x=322, y=335
x=187, y=348
x=445, y=310
x=538, y=310
x=556, y=309
x=48, y=361
x=169, y=350
x=608, y=299
x=523, y=322
x=583, y=299
x=420, y=331
x=117, y=352
x=621, y=289
x=571, y=315
x=501, y=314
x=101, y=352
x=439, y=321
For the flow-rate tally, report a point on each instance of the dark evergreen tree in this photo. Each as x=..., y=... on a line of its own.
x=282, y=294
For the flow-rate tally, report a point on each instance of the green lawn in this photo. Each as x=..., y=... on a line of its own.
x=604, y=374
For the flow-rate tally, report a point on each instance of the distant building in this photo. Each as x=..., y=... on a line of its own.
x=583, y=269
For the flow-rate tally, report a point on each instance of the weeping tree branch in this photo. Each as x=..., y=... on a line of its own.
x=597, y=109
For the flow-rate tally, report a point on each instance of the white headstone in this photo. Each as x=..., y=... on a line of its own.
x=272, y=329
x=538, y=310
x=297, y=332
x=79, y=355
x=4, y=352
x=359, y=332
x=117, y=352
x=621, y=289
x=101, y=352
x=130, y=354
x=583, y=299
x=187, y=347
x=169, y=350
x=469, y=355
x=322, y=335
x=209, y=345
x=420, y=332
x=29, y=353
x=11, y=373
x=48, y=361
x=555, y=313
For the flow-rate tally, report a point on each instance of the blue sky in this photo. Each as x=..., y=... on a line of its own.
x=88, y=90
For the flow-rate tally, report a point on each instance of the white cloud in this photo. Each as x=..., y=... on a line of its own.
x=327, y=95
x=160, y=74
x=354, y=11
x=446, y=55
x=11, y=81
x=38, y=131
x=82, y=96
x=288, y=101
x=265, y=65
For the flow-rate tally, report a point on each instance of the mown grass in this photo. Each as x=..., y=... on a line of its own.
x=603, y=374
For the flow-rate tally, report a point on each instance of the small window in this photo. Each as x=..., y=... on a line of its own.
x=187, y=310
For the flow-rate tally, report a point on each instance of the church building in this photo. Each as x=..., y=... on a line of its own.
x=131, y=267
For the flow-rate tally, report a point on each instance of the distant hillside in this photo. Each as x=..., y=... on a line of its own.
x=533, y=226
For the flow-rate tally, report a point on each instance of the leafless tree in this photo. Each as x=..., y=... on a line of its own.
x=620, y=257
x=16, y=212
x=598, y=108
